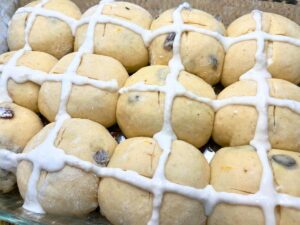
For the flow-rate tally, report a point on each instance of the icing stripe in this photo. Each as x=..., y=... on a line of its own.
x=266, y=198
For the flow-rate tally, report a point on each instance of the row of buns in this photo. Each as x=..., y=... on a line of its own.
x=233, y=170
x=74, y=192
x=141, y=113
x=119, y=52
x=201, y=55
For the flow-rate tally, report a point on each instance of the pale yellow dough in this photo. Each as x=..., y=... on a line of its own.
x=85, y=101
x=122, y=203
x=118, y=41
x=283, y=58
x=47, y=34
x=141, y=113
x=26, y=94
x=238, y=170
x=70, y=191
x=235, y=124
x=14, y=135
x=201, y=55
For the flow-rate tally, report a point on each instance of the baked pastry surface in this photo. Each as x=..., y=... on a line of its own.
x=157, y=175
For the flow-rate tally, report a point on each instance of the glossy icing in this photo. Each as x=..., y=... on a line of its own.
x=47, y=157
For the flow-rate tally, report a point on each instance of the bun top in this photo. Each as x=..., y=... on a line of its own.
x=174, y=20
x=271, y=23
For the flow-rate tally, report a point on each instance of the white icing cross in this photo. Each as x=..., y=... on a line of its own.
x=47, y=157
x=266, y=197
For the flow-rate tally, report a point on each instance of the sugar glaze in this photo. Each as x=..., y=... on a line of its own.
x=49, y=158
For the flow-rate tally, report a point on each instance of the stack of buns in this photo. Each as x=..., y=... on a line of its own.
x=121, y=54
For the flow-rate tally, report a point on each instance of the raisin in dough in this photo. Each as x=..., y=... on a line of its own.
x=26, y=94
x=117, y=41
x=47, y=34
x=85, y=101
x=235, y=124
x=201, y=55
x=283, y=58
x=122, y=203
x=70, y=191
x=238, y=170
x=17, y=126
x=141, y=113
x=286, y=167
